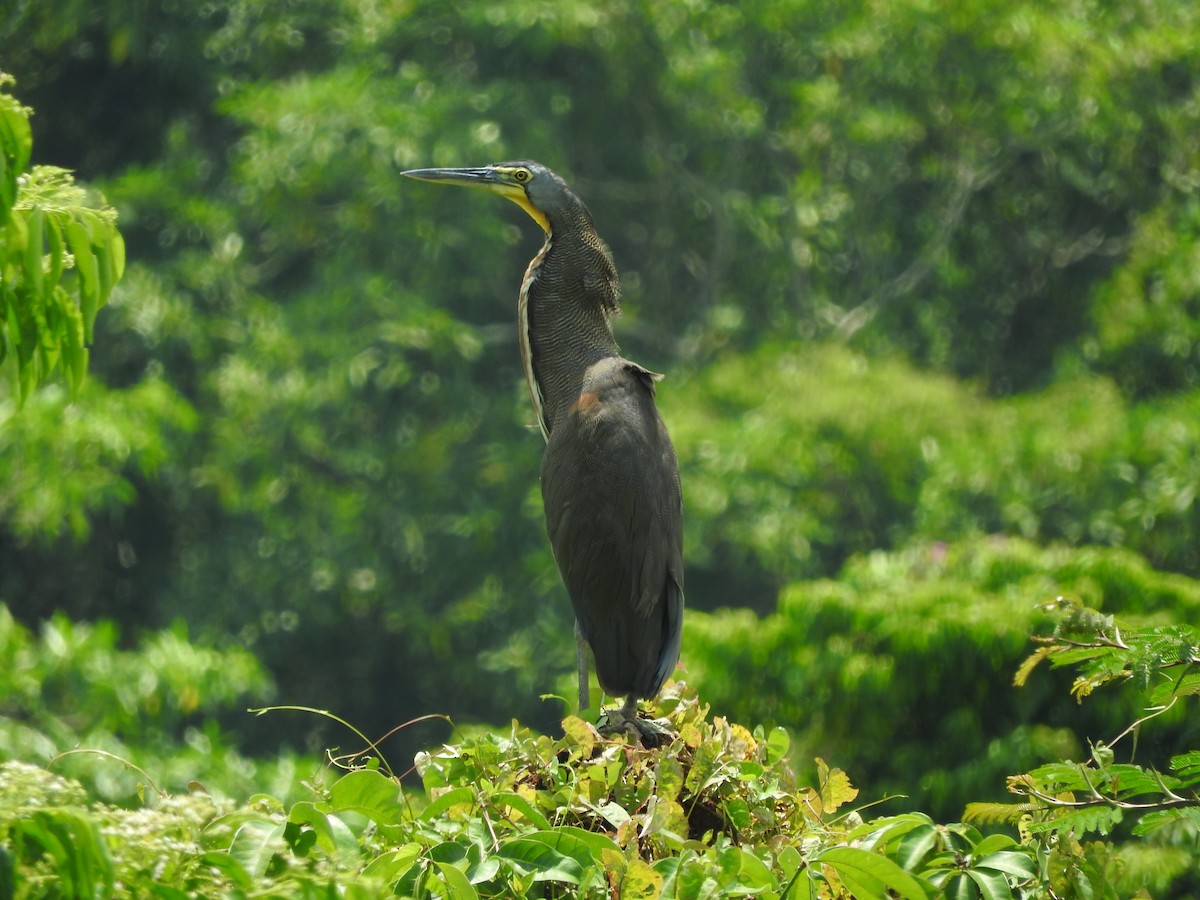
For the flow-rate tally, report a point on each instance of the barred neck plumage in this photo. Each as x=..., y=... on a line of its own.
x=569, y=293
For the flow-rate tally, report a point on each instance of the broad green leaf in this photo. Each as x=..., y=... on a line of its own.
x=778, y=744
x=869, y=875
x=959, y=886
x=914, y=846
x=1010, y=862
x=744, y=873
x=104, y=273
x=255, y=844
x=370, y=793
x=668, y=868
x=991, y=885
x=334, y=837
x=882, y=832
x=545, y=862
x=449, y=852
x=483, y=870
x=559, y=854
x=789, y=861
x=464, y=796
x=391, y=865
x=118, y=252
x=993, y=843
x=457, y=885
x=616, y=815
x=576, y=842
x=737, y=811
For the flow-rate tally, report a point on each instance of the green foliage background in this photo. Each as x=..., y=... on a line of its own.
x=924, y=278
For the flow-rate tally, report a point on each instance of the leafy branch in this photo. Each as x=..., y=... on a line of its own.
x=1096, y=794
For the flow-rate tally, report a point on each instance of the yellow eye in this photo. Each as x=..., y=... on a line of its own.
x=522, y=175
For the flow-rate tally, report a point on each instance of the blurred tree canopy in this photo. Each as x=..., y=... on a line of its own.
x=918, y=272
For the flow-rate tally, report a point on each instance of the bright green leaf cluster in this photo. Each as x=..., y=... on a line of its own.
x=1163, y=662
x=717, y=813
x=59, y=260
x=1066, y=801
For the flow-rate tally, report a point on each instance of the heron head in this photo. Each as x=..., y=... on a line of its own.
x=530, y=185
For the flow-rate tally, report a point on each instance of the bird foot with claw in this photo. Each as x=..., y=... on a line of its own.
x=650, y=733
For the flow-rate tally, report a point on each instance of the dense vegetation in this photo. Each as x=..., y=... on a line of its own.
x=925, y=279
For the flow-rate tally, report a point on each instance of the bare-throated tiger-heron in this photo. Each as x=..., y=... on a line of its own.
x=610, y=479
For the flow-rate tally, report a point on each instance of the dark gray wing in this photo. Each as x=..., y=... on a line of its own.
x=610, y=484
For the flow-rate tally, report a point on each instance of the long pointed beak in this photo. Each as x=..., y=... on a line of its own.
x=487, y=178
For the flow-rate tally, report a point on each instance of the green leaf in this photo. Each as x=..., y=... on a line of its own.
x=778, y=744
x=391, y=865
x=33, y=251
x=1010, y=862
x=255, y=844
x=993, y=843
x=915, y=846
x=12, y=323
x=991, y=885
x=515, y=801
x=744, y=873
x=883, y=832
x=869, y=875
x=102, y=233
x=545, y=862
x=789, y=862
x=457, y=885
x=55, y=249
x=578, y=842
x=334, y=837
x=559, y=854
x=459, y=796
x=371, y=793
x=89, y=278
x=959, y=886
x=737, y=811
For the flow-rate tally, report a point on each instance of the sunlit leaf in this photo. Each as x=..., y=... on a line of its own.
x=868, y=874
x=255, y=844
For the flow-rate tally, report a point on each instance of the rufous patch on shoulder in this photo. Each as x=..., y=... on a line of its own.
x=585, y=401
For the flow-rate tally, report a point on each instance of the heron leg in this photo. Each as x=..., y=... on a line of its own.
x=581, y=668
x=650, y=733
